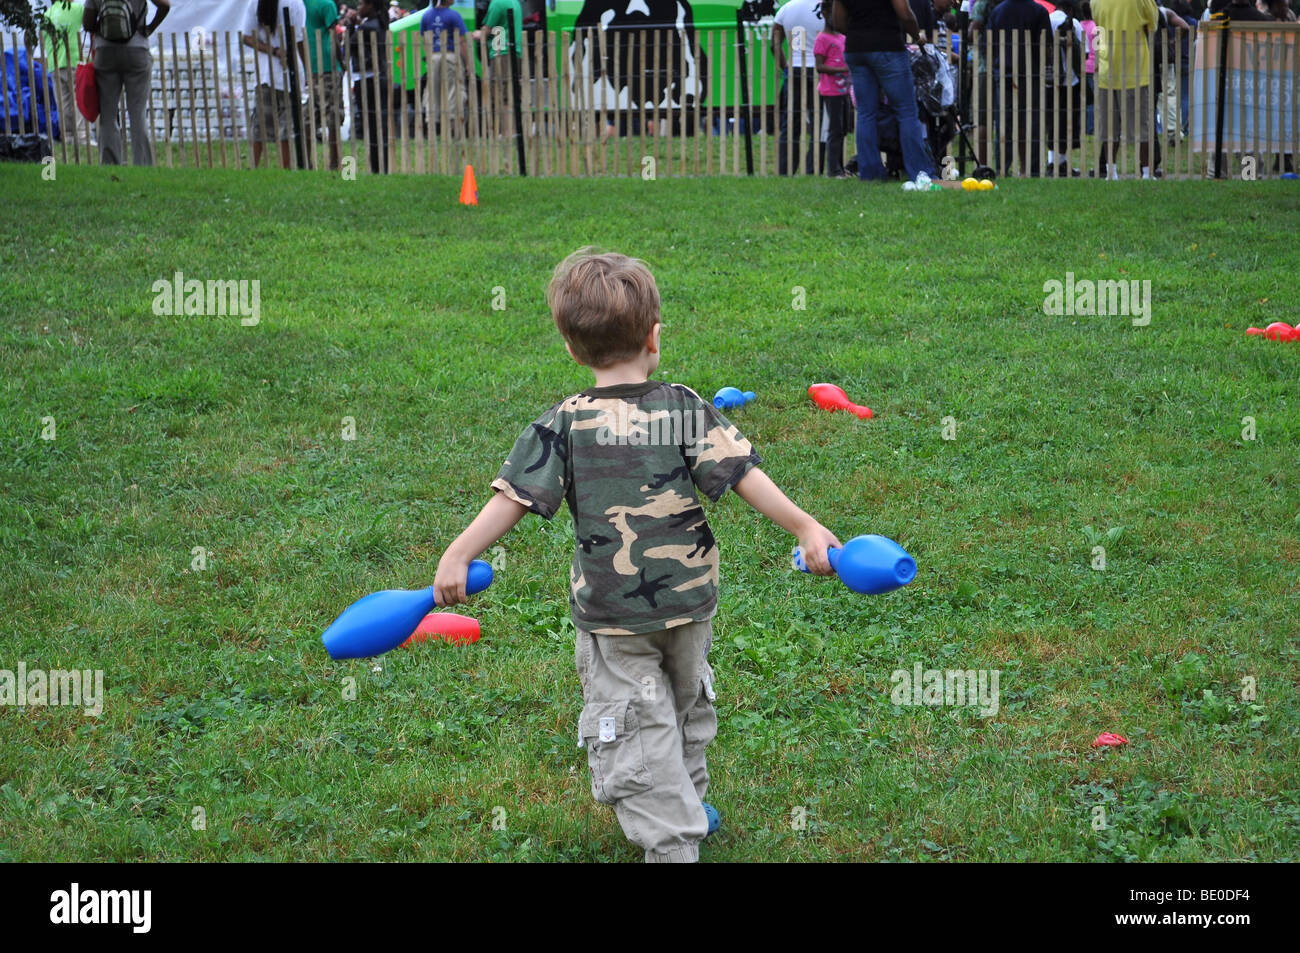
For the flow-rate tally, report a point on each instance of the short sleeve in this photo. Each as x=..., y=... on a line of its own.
x=250, y=19
x=460, y=23
x=719, y=455
x=537, y=473
x=822, y=45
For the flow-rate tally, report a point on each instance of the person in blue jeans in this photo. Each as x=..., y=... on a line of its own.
x=879, y=63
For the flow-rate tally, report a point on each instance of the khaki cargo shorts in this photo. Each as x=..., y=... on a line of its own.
x=647, y=718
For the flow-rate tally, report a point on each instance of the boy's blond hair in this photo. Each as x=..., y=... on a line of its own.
x=605, y=305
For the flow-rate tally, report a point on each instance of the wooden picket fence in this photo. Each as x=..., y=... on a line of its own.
x=700, y=103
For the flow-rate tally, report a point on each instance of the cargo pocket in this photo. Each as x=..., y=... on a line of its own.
x=701, y=725
x=614, y=751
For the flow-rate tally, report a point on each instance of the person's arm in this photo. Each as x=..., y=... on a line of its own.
x=493, y=17
x=907, y=20
x=498, y=517
x=257, y=43
x=778, y=46
x=925, y=35
x=462, y=49
x=251, y=32
x=161, y=9
x=757, y=489
x=829, y=70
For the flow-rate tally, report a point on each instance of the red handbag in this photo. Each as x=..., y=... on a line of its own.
x=87, y=91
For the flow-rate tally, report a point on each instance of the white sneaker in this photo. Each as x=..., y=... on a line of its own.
x=910, y=187
x=923, y=181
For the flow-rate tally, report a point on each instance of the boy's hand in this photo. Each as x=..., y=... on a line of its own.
x=814, y=542
x=497, y=518
x=449, y=581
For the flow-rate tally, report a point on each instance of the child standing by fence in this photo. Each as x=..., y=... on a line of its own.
x=833, y=86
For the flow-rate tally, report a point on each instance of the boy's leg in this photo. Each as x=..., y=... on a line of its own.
x=632, y=731
x=687, y=666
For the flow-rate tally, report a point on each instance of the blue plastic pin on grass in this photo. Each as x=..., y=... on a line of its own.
x=730, y=397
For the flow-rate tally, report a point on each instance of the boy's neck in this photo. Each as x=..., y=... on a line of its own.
x=635, y=371
x=606, y=377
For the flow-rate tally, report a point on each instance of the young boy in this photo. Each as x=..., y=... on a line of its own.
x=628, y=455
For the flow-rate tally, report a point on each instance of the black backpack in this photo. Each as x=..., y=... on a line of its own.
x=117, y=22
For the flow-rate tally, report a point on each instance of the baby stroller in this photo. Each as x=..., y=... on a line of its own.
x=935, y=106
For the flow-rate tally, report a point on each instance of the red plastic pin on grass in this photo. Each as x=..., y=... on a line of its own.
x=1277, y=331
x=1108, y=739
x=830, y=397
x=448, y=626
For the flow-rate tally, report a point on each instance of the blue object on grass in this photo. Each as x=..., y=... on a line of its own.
x=732, y=397
x=384, y=620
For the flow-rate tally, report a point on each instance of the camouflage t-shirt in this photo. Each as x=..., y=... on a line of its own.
x=628, y=459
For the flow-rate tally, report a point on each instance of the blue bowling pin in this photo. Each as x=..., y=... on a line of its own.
x=384, y=620
x=729, y=397
x=871, y=565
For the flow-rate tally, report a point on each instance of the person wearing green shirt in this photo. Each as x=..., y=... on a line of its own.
x=499, y=44
x=62, y=43
x=326, y=88
x=494, y=27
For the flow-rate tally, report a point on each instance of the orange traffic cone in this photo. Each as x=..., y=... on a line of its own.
x=468, y=188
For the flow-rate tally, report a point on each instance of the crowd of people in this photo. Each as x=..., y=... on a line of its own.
x=333, y=46
x=1102, y=83
x=848, y=59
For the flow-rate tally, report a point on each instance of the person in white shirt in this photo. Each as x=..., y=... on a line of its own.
x=801, y=21
x=263, y=30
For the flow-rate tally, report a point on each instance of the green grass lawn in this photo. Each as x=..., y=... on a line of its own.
x=376, y=300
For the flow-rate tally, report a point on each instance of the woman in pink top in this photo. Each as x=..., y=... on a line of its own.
x=833, y=86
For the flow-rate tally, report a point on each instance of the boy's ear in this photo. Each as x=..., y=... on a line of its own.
x=570, y=350
x=652, y=340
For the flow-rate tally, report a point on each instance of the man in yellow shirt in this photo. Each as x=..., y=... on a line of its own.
x=1124, y=29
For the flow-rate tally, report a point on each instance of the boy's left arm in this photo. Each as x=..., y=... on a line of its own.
x=757, y=489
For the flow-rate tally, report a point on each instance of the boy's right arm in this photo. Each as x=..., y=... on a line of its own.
x=497, y=518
